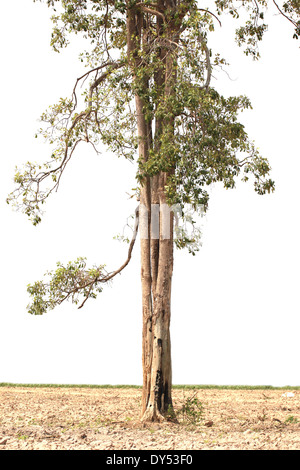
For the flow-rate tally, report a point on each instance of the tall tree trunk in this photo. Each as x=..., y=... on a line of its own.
x=157, y=390
x=156, y=238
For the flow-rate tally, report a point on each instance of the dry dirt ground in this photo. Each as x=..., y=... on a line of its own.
x=108, y=419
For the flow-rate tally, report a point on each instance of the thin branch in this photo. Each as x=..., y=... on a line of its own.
x=283, y=14
x=112, y=64
x=111, y=275
x=98, y=81
x=83, y=115
x=135, y=231
x=211, y=13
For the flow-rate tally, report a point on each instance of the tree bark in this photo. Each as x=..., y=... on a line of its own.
x=156, y=237
x=157, y=389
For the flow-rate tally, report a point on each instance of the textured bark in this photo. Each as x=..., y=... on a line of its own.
x=156, y=237
x=157, y=394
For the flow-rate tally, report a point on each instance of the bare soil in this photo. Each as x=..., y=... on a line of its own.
x=109, y=419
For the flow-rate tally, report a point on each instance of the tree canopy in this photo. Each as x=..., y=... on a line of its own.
x=193, y=133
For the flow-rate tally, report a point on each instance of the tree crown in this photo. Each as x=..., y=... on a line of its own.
x=193, y=133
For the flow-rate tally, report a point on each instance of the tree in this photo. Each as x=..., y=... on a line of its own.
x=149, y=99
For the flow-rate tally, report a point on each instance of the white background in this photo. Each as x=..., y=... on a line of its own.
x=235, y=306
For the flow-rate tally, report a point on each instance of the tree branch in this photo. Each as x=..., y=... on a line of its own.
x=112, y=275
x=210, y=13
x=113, y=65
x=151, y=11
x=30, y=181
x=72, y=281
x=135, y=231
x=283, y=14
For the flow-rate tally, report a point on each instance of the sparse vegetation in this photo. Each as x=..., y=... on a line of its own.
x=181, y=387
x=93, y=418
x=291, y=420
x=191, y=411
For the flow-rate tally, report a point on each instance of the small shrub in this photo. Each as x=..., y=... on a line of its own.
x=191, y=411
x=291, y=420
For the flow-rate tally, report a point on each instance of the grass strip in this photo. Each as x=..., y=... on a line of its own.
x=181, y=387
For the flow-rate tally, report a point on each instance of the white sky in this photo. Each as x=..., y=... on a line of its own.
x=235, y=306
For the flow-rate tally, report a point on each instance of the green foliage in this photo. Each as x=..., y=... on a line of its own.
x=191, y=411
x=193, y=133
x=291, y=420
x=291, y=9
x=254, y=28
x=71, y=282
x=252, y=32
x=187, y=233
x=207, y=145
x=201, y=140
